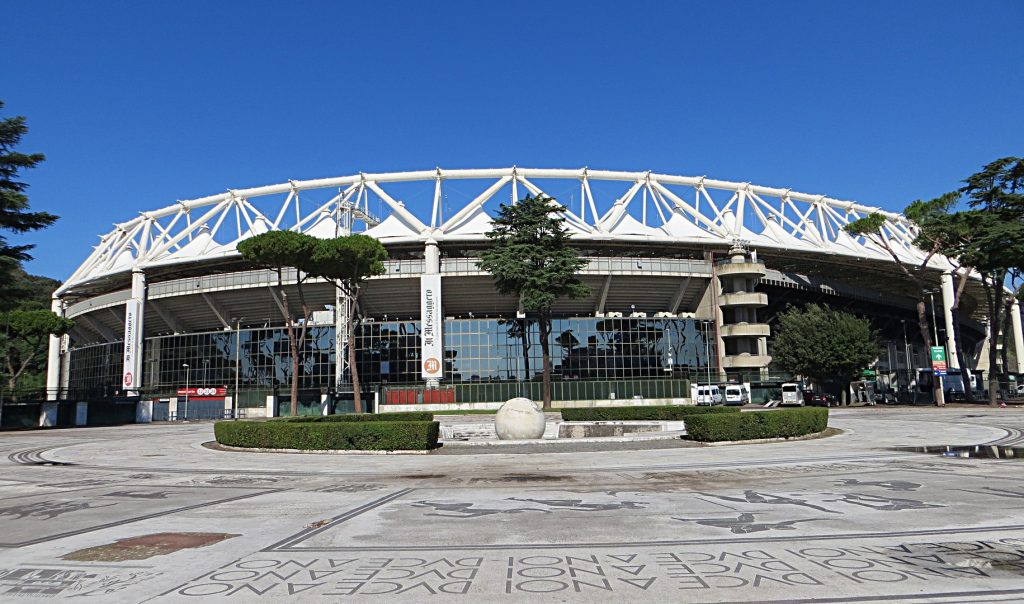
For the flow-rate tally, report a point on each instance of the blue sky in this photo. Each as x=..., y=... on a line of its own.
x=139, y=104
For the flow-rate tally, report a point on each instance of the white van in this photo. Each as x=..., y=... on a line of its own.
x=791, y=395
x=708, y=395
x=736, y=395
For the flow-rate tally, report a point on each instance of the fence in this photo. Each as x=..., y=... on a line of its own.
x=493, y=392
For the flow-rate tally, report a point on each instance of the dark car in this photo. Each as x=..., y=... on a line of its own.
x=817, y=399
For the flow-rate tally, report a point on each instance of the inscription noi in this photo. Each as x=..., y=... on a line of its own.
x=810, y=569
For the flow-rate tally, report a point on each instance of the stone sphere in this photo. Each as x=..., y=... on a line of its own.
x=519, y=419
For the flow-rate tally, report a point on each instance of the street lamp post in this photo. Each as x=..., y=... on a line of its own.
x=185, y=365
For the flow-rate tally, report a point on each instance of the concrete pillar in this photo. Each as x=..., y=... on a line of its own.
x=134, y=311
x=431, y=317
x=53, y=356
x=1018, y=335
x=953, y=360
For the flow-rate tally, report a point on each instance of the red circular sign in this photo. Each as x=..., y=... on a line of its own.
x=432, y=365
x=128, y=378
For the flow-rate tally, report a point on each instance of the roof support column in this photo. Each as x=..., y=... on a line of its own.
x=53, y=356
x=947, y=315
x=134, y=311
x=1018, y=335
x=431, y=317
x=342, y=313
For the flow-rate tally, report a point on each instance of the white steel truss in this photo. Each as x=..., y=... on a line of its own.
x=686, y=209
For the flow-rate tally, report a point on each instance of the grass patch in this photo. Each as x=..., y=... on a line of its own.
x=661, y=412
x=777, y=423
x=323, y=436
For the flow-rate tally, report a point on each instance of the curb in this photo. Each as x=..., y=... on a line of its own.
x=214, y=445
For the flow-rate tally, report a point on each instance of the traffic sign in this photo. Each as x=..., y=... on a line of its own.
x=938, y=360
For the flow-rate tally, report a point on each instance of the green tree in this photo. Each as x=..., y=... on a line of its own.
x=947, y=231
x=822, y=343
x=531, y=259
x=278, y=250
x=24, y=339
x=347, y=262
x=995, y=246
x=14, y=214
x=875, y=229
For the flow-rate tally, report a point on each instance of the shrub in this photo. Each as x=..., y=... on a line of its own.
x=405, y=416
x=777, y=423
x=319, y=436
x=665, y=412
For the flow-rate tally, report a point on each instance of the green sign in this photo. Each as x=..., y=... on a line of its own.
x=938, y=360
x=868, y=373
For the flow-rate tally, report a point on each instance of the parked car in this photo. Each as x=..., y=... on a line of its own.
x=736, y=395
x=708, y=395
x=818, y=399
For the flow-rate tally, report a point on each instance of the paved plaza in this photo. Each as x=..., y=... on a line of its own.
x=147, y=513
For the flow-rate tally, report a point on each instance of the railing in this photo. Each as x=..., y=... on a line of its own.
x=497, y=392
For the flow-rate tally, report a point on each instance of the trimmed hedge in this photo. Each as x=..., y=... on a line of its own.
x=663, y=412
x=777, y=423
x=320, y=436
x=405, y=416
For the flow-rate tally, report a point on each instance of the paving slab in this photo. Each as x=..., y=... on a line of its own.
x=148, y=514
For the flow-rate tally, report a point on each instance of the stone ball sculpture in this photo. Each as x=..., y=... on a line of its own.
x=519, y=419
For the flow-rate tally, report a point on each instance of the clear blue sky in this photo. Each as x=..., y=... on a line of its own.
x=138, y=104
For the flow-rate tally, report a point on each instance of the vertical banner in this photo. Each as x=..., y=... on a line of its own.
x=431, y=321
x=132, y=344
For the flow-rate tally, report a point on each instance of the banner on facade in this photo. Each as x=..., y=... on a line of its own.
x=132, y=314
x=431, y=321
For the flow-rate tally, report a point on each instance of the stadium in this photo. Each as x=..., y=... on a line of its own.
x=686, y=277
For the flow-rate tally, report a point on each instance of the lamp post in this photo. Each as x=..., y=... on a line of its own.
x=940, y=399
x=185, y=365
x=906, y=352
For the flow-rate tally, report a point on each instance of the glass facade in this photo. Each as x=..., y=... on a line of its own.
x=476, y=350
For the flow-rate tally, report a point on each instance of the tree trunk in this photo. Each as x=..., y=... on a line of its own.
x=357, y=399
x=545, y=331
x=525, y=340
x=1007, y=329
x=293, y=350
x=926, y=335
x=995, y=296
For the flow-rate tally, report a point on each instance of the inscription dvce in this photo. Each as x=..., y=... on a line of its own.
x=805, y=571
